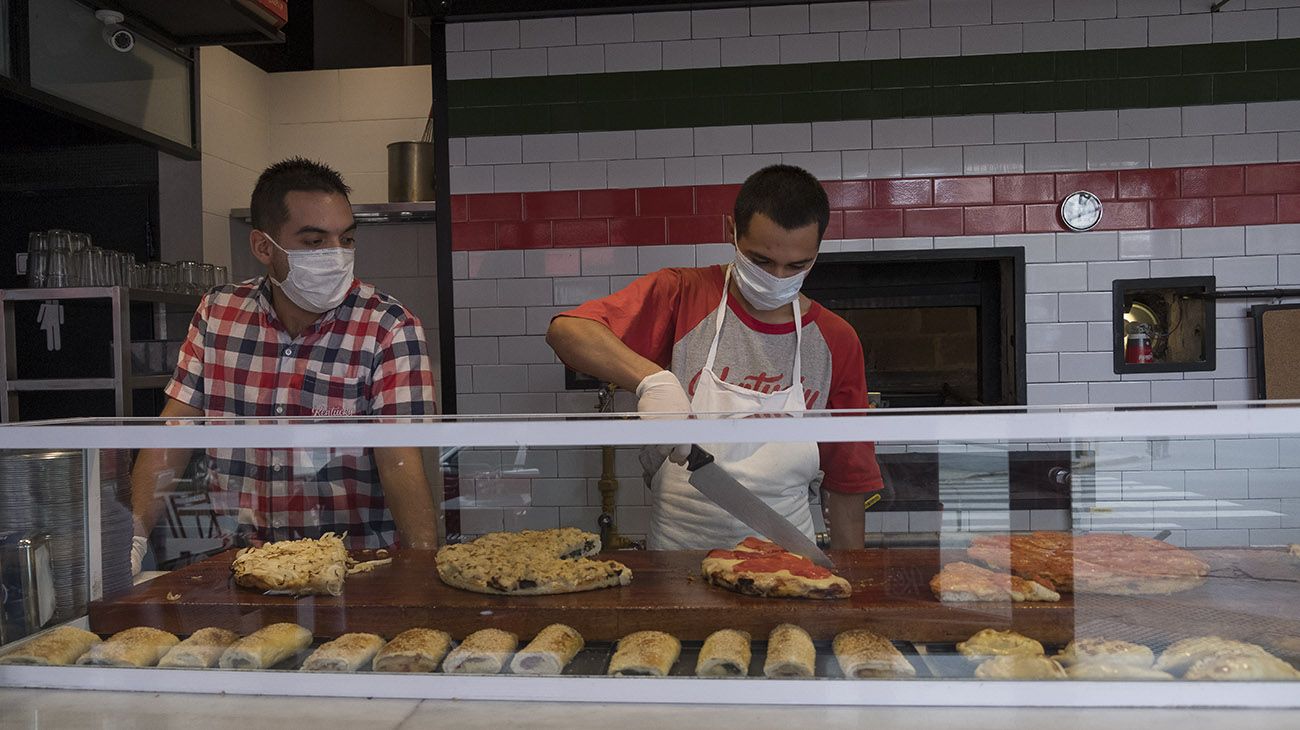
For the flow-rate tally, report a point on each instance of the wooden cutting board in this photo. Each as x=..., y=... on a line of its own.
x=891, y=595
x=1250, y=594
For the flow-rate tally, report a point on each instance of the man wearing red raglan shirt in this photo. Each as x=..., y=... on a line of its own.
x=663, y=338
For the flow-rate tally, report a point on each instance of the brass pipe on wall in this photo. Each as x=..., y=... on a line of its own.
x=608, y=485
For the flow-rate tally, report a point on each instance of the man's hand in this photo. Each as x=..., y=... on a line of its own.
x=659, y=394
x=139, y=546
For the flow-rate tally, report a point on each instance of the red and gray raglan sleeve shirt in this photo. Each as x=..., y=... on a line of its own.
x=669, y=317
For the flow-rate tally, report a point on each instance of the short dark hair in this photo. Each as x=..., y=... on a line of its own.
x=789, y=195
x=267, y=208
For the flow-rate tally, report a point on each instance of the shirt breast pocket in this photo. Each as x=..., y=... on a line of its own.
x=328, y=396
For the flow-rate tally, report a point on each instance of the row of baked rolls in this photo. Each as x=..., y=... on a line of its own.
x=488, y=651
x=726, y=653
x=1009, y=655
x=861, y=654
x=1214, y=657
x=790, y=654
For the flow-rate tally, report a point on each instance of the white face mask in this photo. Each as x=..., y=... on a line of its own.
x=761, y=289
x=319, y=279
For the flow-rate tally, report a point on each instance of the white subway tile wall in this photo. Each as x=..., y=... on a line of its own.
x=800, y=33
x=1068, y=278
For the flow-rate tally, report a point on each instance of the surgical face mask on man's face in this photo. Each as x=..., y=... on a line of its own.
x=318, y=279
x=763, y=290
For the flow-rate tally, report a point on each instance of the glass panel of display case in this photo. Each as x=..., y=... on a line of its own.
x=1125, y=545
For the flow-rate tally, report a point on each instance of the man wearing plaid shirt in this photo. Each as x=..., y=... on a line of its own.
x=306, y=339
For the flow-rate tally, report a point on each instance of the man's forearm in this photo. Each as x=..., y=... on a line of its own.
x=401, y=472
x=156, y=471
x=590, y=347
x=153, y=476
x=848, y=525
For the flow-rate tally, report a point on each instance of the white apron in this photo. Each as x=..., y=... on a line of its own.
x=681, y=517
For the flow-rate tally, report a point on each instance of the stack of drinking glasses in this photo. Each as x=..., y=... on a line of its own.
x=61, y=258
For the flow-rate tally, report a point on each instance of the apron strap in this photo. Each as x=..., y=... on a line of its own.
x=719, y=316
x=796, y=381
x=797, y=376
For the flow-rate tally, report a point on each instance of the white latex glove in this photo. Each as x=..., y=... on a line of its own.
x=658, y=395
x=139, y=546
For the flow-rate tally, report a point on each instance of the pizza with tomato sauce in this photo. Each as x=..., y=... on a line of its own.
x=757, y=567
x=1097, y=562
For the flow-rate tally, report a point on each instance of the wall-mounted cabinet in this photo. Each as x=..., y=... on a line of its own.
x=1164, y=325
x=211, y=22
x=148, y=86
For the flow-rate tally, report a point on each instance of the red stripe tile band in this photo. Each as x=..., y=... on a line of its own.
x=1230, y=195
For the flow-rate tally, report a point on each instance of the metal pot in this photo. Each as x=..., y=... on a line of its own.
x=410, y=171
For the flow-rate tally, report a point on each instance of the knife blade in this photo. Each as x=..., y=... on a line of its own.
x=715, y=483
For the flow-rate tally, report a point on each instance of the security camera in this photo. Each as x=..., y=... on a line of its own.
x=115, y=35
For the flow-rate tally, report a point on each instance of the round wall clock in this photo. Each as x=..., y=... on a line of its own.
x=1080, y=210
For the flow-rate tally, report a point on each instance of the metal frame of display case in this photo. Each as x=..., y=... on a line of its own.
x=123, y=382
x=1275, y=418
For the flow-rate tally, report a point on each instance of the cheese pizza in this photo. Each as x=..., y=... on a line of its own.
x=310, y=566
x=530, y=563
x=760, y=568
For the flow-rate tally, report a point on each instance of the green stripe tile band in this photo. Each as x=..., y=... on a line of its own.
x=1124, y=78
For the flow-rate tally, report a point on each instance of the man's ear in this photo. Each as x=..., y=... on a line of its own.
x=260, y=246
x=731, y=230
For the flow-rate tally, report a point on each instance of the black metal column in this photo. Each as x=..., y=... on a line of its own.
x=442, y=195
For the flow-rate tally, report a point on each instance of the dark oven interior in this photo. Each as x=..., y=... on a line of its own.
x=938, y=328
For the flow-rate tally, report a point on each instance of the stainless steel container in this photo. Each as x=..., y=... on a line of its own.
x=45, y=491
x=410, y=171
x=27, y=595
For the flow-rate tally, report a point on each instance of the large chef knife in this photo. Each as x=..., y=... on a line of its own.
x=715, y=483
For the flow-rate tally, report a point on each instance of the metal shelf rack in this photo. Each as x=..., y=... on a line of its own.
x=123, y=382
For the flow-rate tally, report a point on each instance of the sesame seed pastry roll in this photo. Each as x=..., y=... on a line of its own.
x=549, y=652
x=725, y=653
x=141, y=646
x=266, y=647
x=645, y=654
x=60, y=646
x=863, y=654
x=347, y=653
x=202, y=649
x=790, y=653
x=482, y=652
x=413, y=650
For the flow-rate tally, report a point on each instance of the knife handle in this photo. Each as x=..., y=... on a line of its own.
x=698, y=458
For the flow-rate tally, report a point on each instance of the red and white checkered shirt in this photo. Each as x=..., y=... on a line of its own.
x=366, y=357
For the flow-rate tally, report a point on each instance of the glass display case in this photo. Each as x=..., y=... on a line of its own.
x=1105, y=548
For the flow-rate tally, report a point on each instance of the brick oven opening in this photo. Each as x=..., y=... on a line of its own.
x=938, y=328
